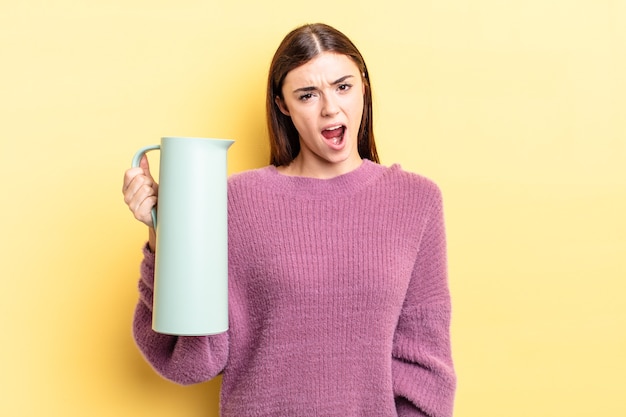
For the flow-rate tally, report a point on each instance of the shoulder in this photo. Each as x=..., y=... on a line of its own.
x=250, y=178
x=411, y=184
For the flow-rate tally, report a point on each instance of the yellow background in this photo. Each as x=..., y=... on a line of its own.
x=516, y=108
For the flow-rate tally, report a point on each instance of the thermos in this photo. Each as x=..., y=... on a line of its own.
x=191, y=223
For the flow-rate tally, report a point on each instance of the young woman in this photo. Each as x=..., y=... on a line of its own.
x=339, y=301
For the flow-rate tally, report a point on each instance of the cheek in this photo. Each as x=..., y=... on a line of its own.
x=358, y=107
x=303, y=126
x=303, y=120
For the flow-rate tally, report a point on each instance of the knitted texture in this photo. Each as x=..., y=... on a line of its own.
x=338, y=300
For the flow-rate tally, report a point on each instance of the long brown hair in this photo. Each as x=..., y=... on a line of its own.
x=297, y=48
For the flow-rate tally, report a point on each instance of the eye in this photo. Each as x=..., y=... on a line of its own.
x=344, y=87
x=305, y=97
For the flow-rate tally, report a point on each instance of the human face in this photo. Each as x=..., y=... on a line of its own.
x=324, y=99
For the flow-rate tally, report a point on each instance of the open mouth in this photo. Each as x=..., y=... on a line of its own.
x=334, y=134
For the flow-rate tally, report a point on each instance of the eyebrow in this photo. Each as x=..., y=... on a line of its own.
x=339, y=81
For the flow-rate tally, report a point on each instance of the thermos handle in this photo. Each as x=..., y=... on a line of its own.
x=136, y=160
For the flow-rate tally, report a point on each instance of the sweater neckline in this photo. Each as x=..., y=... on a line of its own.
x=345, y=184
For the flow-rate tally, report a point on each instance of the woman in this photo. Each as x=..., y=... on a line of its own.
x=338, y=296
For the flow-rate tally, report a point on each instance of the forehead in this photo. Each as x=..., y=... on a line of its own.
x=325, y=67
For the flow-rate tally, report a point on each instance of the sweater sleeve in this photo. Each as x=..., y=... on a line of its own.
x=424, y=380
x=181, y=359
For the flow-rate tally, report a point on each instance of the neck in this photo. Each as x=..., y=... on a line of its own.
x=299, y=167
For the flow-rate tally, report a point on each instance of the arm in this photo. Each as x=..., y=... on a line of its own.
x=182, y=359
x=424, y=381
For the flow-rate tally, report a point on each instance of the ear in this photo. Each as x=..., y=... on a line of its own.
x=281, y=106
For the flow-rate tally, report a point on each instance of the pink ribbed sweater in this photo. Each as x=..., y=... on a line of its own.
x=338, y=295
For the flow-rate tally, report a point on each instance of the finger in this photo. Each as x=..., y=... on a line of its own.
x=144, y=211
x=139, y=188
x=141, y=204
x=129, y=177
x=136, y=193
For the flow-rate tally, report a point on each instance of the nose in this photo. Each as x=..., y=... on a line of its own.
x=330, y=106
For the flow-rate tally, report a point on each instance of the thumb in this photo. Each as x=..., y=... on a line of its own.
x=145, y=165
